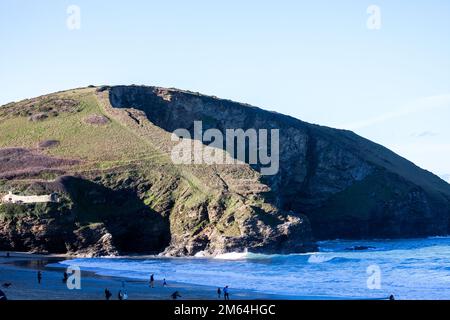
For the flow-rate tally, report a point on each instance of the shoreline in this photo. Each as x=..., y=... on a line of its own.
x=20, y=269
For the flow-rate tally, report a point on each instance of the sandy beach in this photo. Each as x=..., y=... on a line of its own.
x=20, y=269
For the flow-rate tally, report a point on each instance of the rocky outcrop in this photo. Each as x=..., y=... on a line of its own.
x=95, y=220
x=55, y=235
x=246, y=228
x=89, y=220
x=27, y=233
x=92, y=241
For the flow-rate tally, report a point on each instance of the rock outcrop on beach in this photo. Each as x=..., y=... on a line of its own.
x=120, y=192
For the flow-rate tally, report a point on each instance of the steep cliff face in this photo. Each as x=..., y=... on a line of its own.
x=107, y=152
x=347, y=186
x=89, y=219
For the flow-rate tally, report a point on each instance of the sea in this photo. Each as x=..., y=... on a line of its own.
x=407, y=269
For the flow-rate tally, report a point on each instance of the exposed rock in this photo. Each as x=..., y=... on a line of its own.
x=38, y=117
x=46, y=144
x=94, y=241
x=34, y=234
x=103, y=88
x=123, y=224
x=96, y=119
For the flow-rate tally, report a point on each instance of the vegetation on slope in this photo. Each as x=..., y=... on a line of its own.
x=119, y=190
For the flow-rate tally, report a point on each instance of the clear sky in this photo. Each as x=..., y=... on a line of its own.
x=315, y=60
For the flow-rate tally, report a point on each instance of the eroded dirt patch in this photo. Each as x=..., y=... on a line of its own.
x=46, y=144
x=23, y=163
x=96, y=119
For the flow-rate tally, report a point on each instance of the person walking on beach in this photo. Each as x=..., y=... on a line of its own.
x=65, y=277
x=123, y=294
x=226, y=293
x=164, y=283
x=175, y=295
x=39, y=277
x=152, y=281
x=219, y=293
x=2, y=296
x=108, y=294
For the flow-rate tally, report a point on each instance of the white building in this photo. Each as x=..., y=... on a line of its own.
x=12, y=198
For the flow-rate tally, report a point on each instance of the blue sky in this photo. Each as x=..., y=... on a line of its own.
x=315, y=60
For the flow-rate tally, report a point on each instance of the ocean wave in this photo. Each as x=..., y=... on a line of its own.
x=247, y=255
x=319, y=258
x=439, y=237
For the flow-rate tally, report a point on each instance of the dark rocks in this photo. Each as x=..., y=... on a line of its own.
x=103, y=88
x=359, y=248
x=96, y=119
x=38, y=117
x=93, y=241
x=46, y=144
x=81, y=224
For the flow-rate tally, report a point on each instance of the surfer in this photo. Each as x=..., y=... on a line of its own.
x=164, y=283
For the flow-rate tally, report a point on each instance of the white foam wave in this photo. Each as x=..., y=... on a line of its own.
x=246, y=255
x=319, y=258
x=233, y=255
x=200, y=254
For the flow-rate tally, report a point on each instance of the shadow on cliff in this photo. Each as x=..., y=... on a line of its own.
x=134, y=227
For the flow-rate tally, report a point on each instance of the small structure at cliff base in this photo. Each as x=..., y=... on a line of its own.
x=12, y=198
